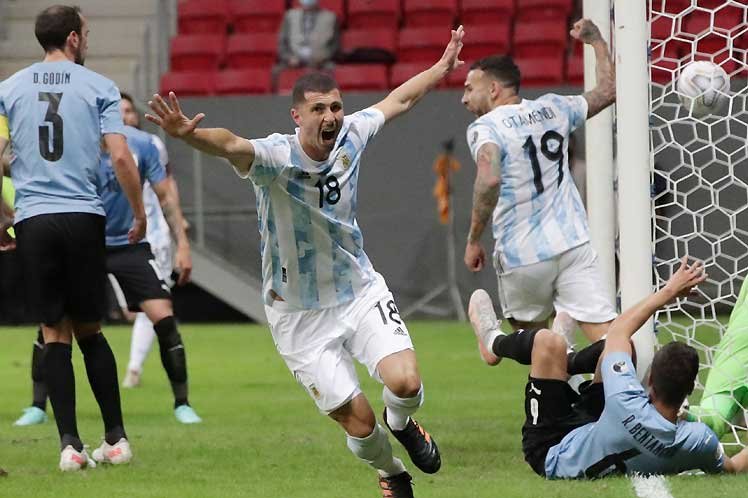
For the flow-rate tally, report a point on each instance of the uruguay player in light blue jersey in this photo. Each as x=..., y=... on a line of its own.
x=134, y=266
x=542, y=255
x=57, y=114
x=613, y=425
x=324, y=302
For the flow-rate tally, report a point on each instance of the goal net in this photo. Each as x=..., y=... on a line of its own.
x=699, y=173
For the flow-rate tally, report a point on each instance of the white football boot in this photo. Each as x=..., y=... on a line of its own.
x=485, y=325
x=72, y=460
x=115, y=454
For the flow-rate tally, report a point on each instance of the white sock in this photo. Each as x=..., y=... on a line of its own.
x=142, y=340
x=376, y=451
x=399, y=409
x=565, y=326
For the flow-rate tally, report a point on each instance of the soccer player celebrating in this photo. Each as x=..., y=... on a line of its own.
x=325, y=303
x=57, y=113
x=613, y=425
x=159, y=239
x=726, y=389
x=542, y=256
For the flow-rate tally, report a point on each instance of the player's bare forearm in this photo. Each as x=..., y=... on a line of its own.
x=604, y=93
x=172, y=211
x=485, y=189
x=223, y=143
x=737, y=463
x=404, y=97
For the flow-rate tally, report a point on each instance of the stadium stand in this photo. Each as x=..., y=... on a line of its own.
x=201, y=52
x=430, y=12
x=362, y=77
x=486, y=12
x=256, y=16
x=246, y=51
x=369, y=44
x=198, y=17
x=366, y=14
x=188, y=83
x=243, y=81
x=420, y=44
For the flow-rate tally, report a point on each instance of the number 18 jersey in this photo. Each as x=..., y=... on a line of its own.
x=57, y=113
x=539, y=213
x=311, y=245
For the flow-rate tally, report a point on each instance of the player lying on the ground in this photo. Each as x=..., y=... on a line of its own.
x=726, y=389
x=613, y=425
x=325, y=303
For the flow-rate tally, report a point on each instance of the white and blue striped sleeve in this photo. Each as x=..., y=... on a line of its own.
x=271, y=157
x=479, y=134
x=367, y=122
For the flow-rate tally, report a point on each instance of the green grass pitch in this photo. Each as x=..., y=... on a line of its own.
x=263, y=437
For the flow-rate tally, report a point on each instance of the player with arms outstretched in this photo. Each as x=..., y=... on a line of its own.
x=542, y=256
x=57, y=113
x=613, y=425
x=325, y=303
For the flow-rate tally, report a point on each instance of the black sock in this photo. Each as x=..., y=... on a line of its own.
x=58, y=369
x=101, y=368
x=37, y=373
x=517, y=346
x=173, y=358
x=585, y=361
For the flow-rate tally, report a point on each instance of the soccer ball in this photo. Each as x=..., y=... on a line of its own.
x=703, y=88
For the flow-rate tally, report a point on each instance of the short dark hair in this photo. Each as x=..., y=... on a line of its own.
x=500, y=67
x=54, y=24
x=126, y=96
x=673, y=372
x=312, y=82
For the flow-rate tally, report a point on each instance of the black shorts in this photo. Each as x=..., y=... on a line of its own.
x=63, y=258
x=135, y=269
x=552, y=410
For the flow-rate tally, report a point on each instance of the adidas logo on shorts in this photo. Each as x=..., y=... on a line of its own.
x=399, y=331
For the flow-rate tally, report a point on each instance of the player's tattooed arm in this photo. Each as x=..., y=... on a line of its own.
x=404, y=97
x=214, y=141
x=604, y=93
x=485, y=197
x=167, y=197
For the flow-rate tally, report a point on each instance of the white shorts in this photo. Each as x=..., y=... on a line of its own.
x=569, y=282
x=319, y=346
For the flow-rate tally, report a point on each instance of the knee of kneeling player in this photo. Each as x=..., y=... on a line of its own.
x=549, y=345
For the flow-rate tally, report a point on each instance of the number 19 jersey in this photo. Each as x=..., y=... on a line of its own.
x=311, y=245
x=57, y=113
x=539, y=213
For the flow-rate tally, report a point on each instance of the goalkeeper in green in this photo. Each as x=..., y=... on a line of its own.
x=726, y=388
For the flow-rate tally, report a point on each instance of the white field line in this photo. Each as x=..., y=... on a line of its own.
x=651, y=486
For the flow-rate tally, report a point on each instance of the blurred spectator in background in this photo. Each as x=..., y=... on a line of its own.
x=308, y=37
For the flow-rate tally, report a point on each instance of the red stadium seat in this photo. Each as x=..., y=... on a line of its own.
x=541, y=71
x=537, y=10
x=197, y=52
x=188, y=83
x=243, y=81
x=251, y=51
x=421, y=44
x=456, y=78
x=257, y=16
x=486, y=40
x=199, y=17
x=575, y=70
x=486, y=12
x=663, y=42
x=287, y=79
x=362, y=77
x=434, y=13
x=403, y=71
x=368, y=14
x=336, y=6
x=538, y=39
x=369, y=45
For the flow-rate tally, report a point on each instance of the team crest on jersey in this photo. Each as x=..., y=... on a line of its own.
x=345, y=160
x=620, y=367
x=474, y=139
x=315, y=392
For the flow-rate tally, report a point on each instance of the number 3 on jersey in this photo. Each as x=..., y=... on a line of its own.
x=53, y=119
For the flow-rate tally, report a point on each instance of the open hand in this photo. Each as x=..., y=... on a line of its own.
x=170, y=117
x=451, y=55
x=682, y=282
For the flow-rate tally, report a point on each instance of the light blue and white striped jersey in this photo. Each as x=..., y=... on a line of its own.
x=157, y=234
x=312, y=248
x=119, y=217
x=539, y=213
x=631, y=436
x=57, y=114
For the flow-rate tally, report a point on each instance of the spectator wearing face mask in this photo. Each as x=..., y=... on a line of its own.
x=308, y=37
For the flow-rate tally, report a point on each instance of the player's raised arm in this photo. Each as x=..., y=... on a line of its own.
x=214, y=141
x=404, y=97
x=485, y=197
x=680, y=284
x=604, y=92
x=128, y=177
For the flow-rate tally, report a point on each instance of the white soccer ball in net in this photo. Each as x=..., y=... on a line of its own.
x=703, y=88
